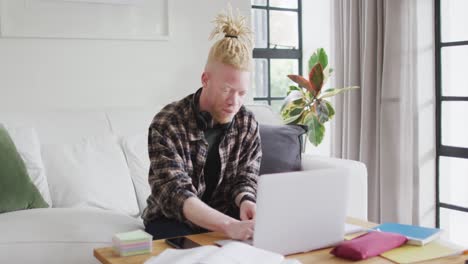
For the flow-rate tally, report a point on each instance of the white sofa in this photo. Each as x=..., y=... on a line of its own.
x=94, y=169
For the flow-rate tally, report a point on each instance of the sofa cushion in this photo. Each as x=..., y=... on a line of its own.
x=92, y=173
x=59, y=235
x=281, y=148
x=264, y=114
x=17, y=192
x=136, y=151
x=129, y=122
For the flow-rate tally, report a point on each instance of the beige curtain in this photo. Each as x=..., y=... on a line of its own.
x=375, y=47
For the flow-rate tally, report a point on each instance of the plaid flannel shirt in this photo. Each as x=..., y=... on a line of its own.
x=177, y=150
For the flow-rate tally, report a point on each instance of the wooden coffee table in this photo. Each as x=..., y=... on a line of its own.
x=108, y=256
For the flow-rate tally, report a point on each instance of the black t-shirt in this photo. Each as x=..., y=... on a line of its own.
x=214, y=134
x=213, y=163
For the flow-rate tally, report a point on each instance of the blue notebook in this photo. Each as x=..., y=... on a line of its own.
x=417, y=235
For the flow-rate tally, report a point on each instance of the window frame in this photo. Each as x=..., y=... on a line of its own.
x=443, y=150
x=275, y=53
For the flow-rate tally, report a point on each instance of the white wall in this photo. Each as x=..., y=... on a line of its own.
x=74, y=73
x=316, y=27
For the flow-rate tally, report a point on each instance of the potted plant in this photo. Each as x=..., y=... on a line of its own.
x=306, y=104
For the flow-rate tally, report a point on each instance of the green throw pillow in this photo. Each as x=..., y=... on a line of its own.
x=17, y=191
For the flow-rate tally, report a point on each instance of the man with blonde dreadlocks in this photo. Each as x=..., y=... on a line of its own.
x=205, y=149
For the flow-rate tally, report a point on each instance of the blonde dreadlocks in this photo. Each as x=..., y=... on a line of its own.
x=235, y=44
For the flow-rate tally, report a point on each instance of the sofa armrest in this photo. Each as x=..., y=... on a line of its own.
x=357, y=193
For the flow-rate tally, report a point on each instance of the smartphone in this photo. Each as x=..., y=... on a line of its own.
x=181, y=242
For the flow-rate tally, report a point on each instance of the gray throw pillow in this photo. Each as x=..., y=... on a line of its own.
x=281, y=148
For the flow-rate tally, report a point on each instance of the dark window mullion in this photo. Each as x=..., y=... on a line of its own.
x=299, y=23
x=454, y=98
x=454, y=207
x=266, y=98
x=274, y=98
x=276, y=8
x=277, y=53
x=269, y=81
x=270, y=98
x=268, y=25
x=268, y=46
x=454, y=43
x=438, y=90
x=456, y=152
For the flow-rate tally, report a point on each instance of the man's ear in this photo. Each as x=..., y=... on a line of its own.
x=204, y=79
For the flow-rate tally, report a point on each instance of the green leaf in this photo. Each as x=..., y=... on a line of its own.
x=294, y=99
x=298, y=102
x=331, y=110
x=290, y=112
x=319, y=56
x=316, y=129
x=293, y=88
x=296, y=111
x=323, y=58
x=311, y=96
x=334, y=91
x=300, y=121
x=286, y=109
x=283, y=107
x=293, y=118
x=314, y=59
x=322, y=111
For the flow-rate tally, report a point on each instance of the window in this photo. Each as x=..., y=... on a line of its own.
x=451, y=37
x=278, y=49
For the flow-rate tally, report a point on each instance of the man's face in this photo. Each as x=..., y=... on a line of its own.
x=225, y=88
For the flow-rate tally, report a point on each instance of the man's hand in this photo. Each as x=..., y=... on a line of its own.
x=247, y=210
x=240, y=230
x=203, y=215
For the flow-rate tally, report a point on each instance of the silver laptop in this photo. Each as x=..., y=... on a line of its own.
x=300, y=211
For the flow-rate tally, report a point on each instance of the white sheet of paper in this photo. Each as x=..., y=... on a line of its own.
x=182, y=256
x=238, y=252
x=351, y=229
x=231, y=253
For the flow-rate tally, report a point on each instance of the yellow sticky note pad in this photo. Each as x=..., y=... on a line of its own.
x=432, y=250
